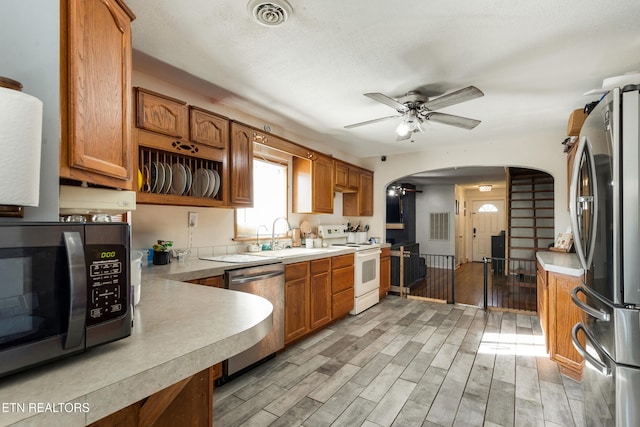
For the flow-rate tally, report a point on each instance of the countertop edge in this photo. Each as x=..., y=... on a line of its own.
x=559, y=262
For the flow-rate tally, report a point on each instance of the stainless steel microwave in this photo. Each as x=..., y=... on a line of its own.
x=64, y=287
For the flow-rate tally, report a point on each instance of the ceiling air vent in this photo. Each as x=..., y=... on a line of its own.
x=269, y=13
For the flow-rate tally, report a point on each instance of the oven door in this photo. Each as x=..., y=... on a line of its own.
x=367, y=271
x=43, y=294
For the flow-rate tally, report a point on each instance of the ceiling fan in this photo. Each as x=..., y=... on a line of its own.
x=415, y=108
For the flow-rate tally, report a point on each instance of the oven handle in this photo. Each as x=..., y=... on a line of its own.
x=597, y=364
x=77, y=289
x=367, y=252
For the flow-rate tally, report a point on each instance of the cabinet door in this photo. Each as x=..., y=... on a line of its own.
x=207, y=128
x=160, y=113
x=341, y=175
x=354, y=178
x=322, y=185
x=320, y=292
x=96, y=93
x=385, y=272
x=296, y=301
x=241, y=166
x=563, y=314
x=365, y=194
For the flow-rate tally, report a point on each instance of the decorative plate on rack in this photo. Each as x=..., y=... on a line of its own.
x=217, y=179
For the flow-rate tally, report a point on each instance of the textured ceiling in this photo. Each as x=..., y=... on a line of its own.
x=533, y=60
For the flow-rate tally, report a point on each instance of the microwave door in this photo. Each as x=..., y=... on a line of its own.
x=582, y=203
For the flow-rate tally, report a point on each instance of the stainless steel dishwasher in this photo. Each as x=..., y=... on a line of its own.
x=266, y=281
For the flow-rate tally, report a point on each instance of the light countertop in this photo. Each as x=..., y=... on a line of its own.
x=560, y=262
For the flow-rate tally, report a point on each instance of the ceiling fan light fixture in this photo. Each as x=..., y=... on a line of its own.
x=404, y=128
x=411, y=123
x=269, y=13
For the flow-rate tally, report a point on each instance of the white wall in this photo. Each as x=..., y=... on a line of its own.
x=435, y=199
x=29, y=53
x=533, y=149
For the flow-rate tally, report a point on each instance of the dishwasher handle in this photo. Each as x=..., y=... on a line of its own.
x=254, y=277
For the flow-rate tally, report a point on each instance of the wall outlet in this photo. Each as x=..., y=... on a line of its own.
x=193, y=219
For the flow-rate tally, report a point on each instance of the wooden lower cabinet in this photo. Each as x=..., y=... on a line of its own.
x=385, y=272
x=558, y=314
x=296, y=301
x=342, y=281
x=187, y=402
x=320, y=293
x=316, y=293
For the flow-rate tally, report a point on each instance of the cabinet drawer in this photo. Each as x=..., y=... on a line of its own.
x=341, y=303
x=320, y=266
x=296, y=271
x=342, y=279
x=342, y=261
x=386, y=253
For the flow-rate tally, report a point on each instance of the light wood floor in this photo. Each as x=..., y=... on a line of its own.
x=409, y=363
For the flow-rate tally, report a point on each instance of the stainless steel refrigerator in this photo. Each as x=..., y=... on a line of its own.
x=605, y=211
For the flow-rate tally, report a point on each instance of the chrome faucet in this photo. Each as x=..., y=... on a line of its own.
x=273, y=230
x=258, y=233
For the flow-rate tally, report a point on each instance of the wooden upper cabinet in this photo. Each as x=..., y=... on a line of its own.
x=341, y=175
x=161, y=114
x=96, y=104
x=361, y=202
x=346, y=177
x=313, y=184
x=241, y=166
x=208, y=128
x=365, y=194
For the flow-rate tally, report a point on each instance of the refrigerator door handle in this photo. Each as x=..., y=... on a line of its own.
x=597, y=364
x=593, y=312
x=579, y=204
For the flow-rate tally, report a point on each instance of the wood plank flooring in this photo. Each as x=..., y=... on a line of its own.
x=404, y=363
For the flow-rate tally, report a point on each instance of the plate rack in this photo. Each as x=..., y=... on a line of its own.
x=175, y=179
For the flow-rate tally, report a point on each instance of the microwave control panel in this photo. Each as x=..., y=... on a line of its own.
x=107, y=284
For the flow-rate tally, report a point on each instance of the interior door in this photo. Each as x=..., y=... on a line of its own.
x=487, y=219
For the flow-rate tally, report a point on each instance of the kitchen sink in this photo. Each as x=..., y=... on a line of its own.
x=293, y=252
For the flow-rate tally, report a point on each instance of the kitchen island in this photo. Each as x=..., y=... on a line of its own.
x=179, y=330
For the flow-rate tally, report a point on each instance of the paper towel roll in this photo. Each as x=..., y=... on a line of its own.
x=20, y=142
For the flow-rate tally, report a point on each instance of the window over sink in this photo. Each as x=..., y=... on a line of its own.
x=269, y=199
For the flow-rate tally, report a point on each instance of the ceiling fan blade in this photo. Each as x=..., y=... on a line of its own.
x=380, y=97
x=462, y=95
x=368, y=122
x=449, y=119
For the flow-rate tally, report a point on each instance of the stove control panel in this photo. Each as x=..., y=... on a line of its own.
x=332, y=231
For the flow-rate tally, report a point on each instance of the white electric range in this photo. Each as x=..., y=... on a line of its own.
x=366, y=263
